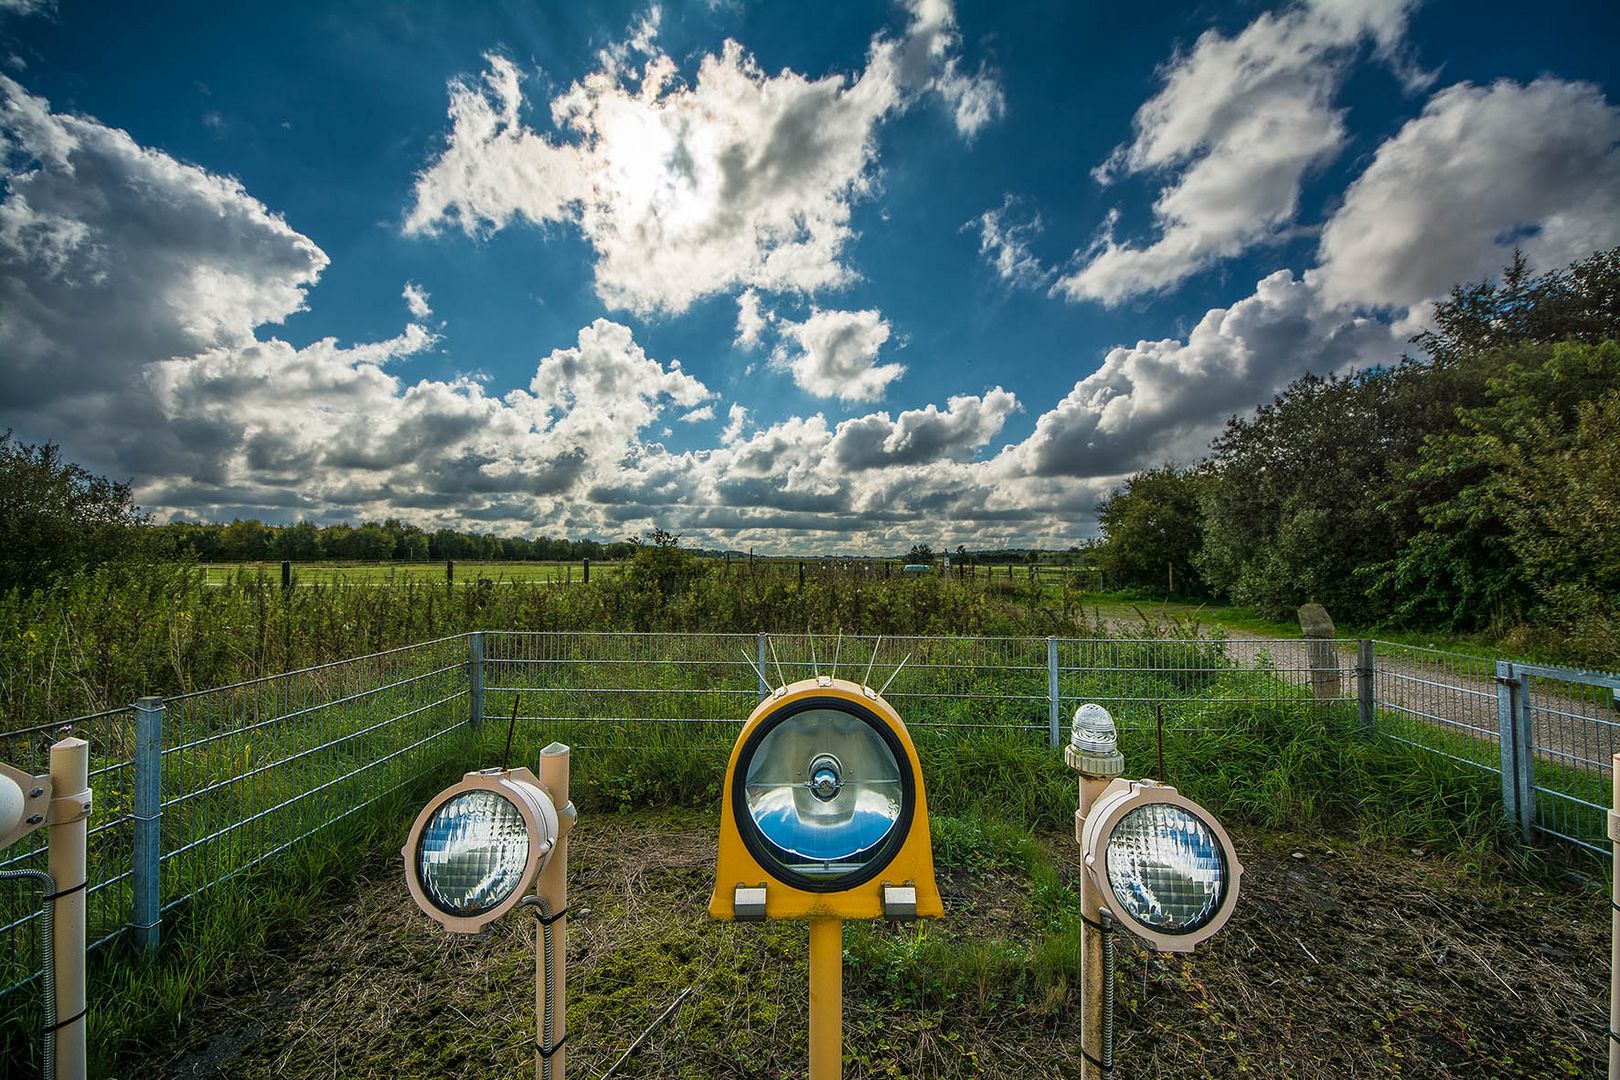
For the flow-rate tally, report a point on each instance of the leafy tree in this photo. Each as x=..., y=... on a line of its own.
x=1293, y=506
x=56, y=517
x=920, y=553
x=1153, y=529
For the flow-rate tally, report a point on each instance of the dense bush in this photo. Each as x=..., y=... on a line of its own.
x=1474, y=488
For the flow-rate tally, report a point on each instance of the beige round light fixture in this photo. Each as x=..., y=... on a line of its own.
x=1162, y=864
x=478, y=846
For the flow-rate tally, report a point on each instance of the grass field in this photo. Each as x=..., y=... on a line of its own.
x=391, y=573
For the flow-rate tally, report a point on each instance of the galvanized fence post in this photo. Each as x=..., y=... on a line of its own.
x=1053, y=704
x=1366, y=671
x=760, y=649
x=1507, y=716
x=147, y=856
x=475, y=679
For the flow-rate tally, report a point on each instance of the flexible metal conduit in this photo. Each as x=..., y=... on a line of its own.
x=47, y=971
x=542, y=912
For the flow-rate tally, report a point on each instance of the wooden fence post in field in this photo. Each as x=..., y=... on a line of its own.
x=1318, y=629
x=286, y=573
x=449, y=572
x=587, y=571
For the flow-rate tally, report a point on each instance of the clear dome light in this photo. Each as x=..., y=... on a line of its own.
x=473, y=853
x=1167, y=868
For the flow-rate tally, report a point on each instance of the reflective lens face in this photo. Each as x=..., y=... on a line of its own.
x=472, y=853
x=1166, y=867
x=824, y=789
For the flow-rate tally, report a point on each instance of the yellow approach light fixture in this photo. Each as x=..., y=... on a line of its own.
x=824, y=819
x=824, y=814
x=493, y=841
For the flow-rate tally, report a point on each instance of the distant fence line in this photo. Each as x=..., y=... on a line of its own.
x=197, y=788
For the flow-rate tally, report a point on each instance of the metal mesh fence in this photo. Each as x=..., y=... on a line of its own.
x=249, y=770
x=1573, y=717
x=107, y=896
x=1136, y=679
x=1438, y=701
x=243, y=773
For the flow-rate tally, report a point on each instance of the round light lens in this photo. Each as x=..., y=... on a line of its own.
x=1167, y=868
x=824, y=790
x=472, y=853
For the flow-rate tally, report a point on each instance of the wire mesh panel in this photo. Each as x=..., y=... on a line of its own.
x=935, y=683
x=251, y=769
x=1439, y=701
x=1573, y=718
x=1183, y=677
x=107, y=897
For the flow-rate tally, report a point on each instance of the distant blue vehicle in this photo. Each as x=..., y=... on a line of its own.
x=916, y=568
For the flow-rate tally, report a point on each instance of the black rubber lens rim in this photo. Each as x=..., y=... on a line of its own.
x=760, y=848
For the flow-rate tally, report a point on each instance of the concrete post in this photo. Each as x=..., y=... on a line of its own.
x=1324, y=659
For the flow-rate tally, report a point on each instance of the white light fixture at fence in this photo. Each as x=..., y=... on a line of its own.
x=59, y=802
x=477, y=850
x=1161, y=863
x=1154, y=860
x=479, y=846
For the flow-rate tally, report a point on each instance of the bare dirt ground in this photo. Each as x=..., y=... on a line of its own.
x=1342, y=961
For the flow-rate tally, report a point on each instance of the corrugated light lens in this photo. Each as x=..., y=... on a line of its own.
x=824, y=790
x=472, y=853
x=1167, y=868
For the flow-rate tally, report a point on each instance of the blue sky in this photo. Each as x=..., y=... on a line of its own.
x=798, y=277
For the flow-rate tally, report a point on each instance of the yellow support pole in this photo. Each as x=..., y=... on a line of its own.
x=826, y=999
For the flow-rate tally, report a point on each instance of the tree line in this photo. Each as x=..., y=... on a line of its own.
x=1476, y=488
x=392, y=539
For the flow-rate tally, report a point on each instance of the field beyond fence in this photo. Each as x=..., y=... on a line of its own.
x=197, y=790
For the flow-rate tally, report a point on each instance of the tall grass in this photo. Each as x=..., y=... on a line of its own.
x=105, y=638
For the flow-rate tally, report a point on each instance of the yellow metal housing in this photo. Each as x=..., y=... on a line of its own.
x=912, y=865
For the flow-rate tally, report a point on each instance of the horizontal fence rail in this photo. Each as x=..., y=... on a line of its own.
x=197, y=789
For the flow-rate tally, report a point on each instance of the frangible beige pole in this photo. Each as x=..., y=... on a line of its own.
x=1091, y=944
x=1614, y=930
x=70, y=806
x=553, y=887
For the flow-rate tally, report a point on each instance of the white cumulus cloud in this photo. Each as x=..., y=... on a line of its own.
x=1237, y=124
x=738, y=178
x=1483, y=170
x=836, y=354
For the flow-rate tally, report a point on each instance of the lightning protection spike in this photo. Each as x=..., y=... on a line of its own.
x=867, y=681
x=772, y=643
x=896, y=672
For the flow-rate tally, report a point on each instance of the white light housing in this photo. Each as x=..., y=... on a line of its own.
x=1161, y=863
x=478, y=846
